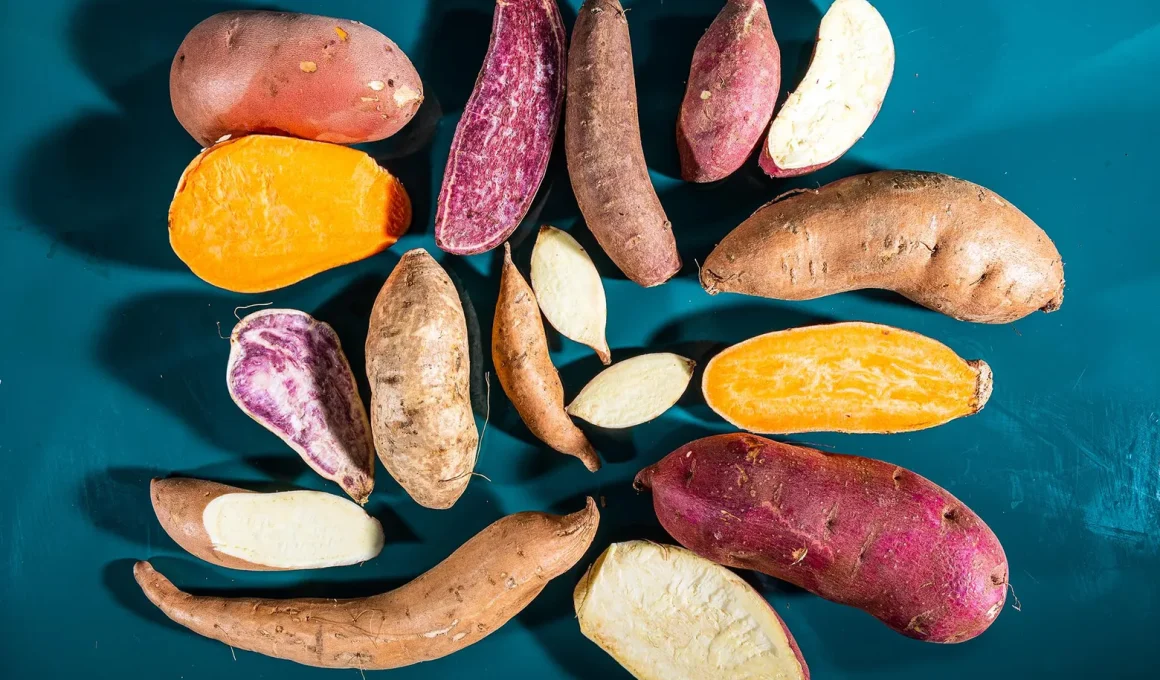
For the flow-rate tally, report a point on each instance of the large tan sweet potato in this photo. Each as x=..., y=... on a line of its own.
x=461, y=600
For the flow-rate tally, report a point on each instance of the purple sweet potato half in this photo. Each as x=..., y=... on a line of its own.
x=733, y=86
x=853, y=530
x=288, y=372
x=503, y=141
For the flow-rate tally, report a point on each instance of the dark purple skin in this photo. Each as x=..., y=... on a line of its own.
x=853, y=530
x=503, y=141
x=315, y=406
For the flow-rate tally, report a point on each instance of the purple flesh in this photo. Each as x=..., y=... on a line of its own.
x=288, y=372
x=503, y=141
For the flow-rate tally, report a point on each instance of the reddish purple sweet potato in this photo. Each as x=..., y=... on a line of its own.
x=503, y=141
x=733, y=86
x=288, y=372
x=853, y=530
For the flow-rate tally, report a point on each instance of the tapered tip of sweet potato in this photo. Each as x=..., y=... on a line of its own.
x=643, y=480
x=155, y=586
x=984, y=384
x=589, y=458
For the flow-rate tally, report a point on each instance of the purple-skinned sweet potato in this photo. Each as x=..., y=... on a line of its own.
x=733, y=86
x=288, y=372
x=853, y=530
x=503, y=141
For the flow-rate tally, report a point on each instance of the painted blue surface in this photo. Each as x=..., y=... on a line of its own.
x=111, y=365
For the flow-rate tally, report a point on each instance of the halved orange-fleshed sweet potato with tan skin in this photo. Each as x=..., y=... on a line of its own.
x=262, y=212
x=846, y=377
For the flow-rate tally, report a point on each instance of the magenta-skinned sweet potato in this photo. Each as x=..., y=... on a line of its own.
x=733, y=86
x=314, y=77
x=853, y=530
x=288, y=372
x=504, y=138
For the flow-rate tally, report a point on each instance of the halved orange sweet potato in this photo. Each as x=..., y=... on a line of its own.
x=262, y=212
x=844, y=377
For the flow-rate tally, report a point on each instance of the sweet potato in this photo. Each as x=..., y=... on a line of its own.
x=843, y=377
x=519, y=350
x=633, y=391
x=464, y=598
x=942, y=242
x=569, y=290
x=417, y=362
x=261, y=212
x=853, y=530
x=605, y=157
x=504, y=138
x=840, y=95
x=240, y=529
x=288, y=372
x=307, y=76
x=733, y=86
x=664, y=613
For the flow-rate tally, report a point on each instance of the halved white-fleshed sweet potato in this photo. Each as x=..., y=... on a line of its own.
x=569, y=290
x=633, y=391
x=665, y=613
x=840, y=95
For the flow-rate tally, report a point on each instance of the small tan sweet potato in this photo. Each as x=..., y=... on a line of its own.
x=417, y=356
x=519, y=350
x=330, y=80
x=605, y=157
x=943, y=242
x=457, y=603
x=853, y=530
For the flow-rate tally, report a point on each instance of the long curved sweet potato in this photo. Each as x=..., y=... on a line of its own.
x=461, y=600
x=853, y=530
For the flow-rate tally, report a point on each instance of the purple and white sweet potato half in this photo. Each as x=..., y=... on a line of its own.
x=664, y=613
x=288, y=372
x=853, y=530
x=840, y=95
x=733, y=86
x=503, y=141
x=241, y=529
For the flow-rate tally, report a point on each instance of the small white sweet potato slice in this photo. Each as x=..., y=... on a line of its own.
x=633, y=391
x=288, y=372
x=840, y=95
x=569, y=290
x=664, y=613
x=241, y=529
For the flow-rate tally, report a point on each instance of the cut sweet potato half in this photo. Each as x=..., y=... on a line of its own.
x=846, y=377
x=262, y=212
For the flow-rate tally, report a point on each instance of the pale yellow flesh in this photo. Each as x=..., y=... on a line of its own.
x=568, y=289
x=842, y=91
x=665, y=613
x=633, y=391
x=292, y=529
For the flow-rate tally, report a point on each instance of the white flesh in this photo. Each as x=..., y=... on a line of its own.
x=569, y=290
x=665, y=613
x=633, y=391
x=292, y=529
x=842, y=91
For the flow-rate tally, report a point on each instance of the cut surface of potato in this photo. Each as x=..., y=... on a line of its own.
x=843, y=377
x=664, y=613
x=569, y=290
x=841, y=92
x=292, y=529
x=633, y=391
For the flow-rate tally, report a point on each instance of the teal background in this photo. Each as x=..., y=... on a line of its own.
x=111, y=365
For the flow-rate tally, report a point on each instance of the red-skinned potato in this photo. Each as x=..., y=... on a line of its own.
x=853, y=530
x=314, y=77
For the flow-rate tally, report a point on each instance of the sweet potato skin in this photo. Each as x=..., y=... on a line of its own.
x=314, y=77
x=179, y=503
x=519, y=351
x=504, y=138
x=853, y=530
x=464, y=598
x=605, y=158
x=733, y=86
x=417, y=361
x=945, y=243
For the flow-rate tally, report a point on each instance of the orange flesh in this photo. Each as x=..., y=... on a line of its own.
x=848, y=377
x=262, y=212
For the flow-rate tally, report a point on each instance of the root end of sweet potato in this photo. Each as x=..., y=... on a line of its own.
x=984, y=383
